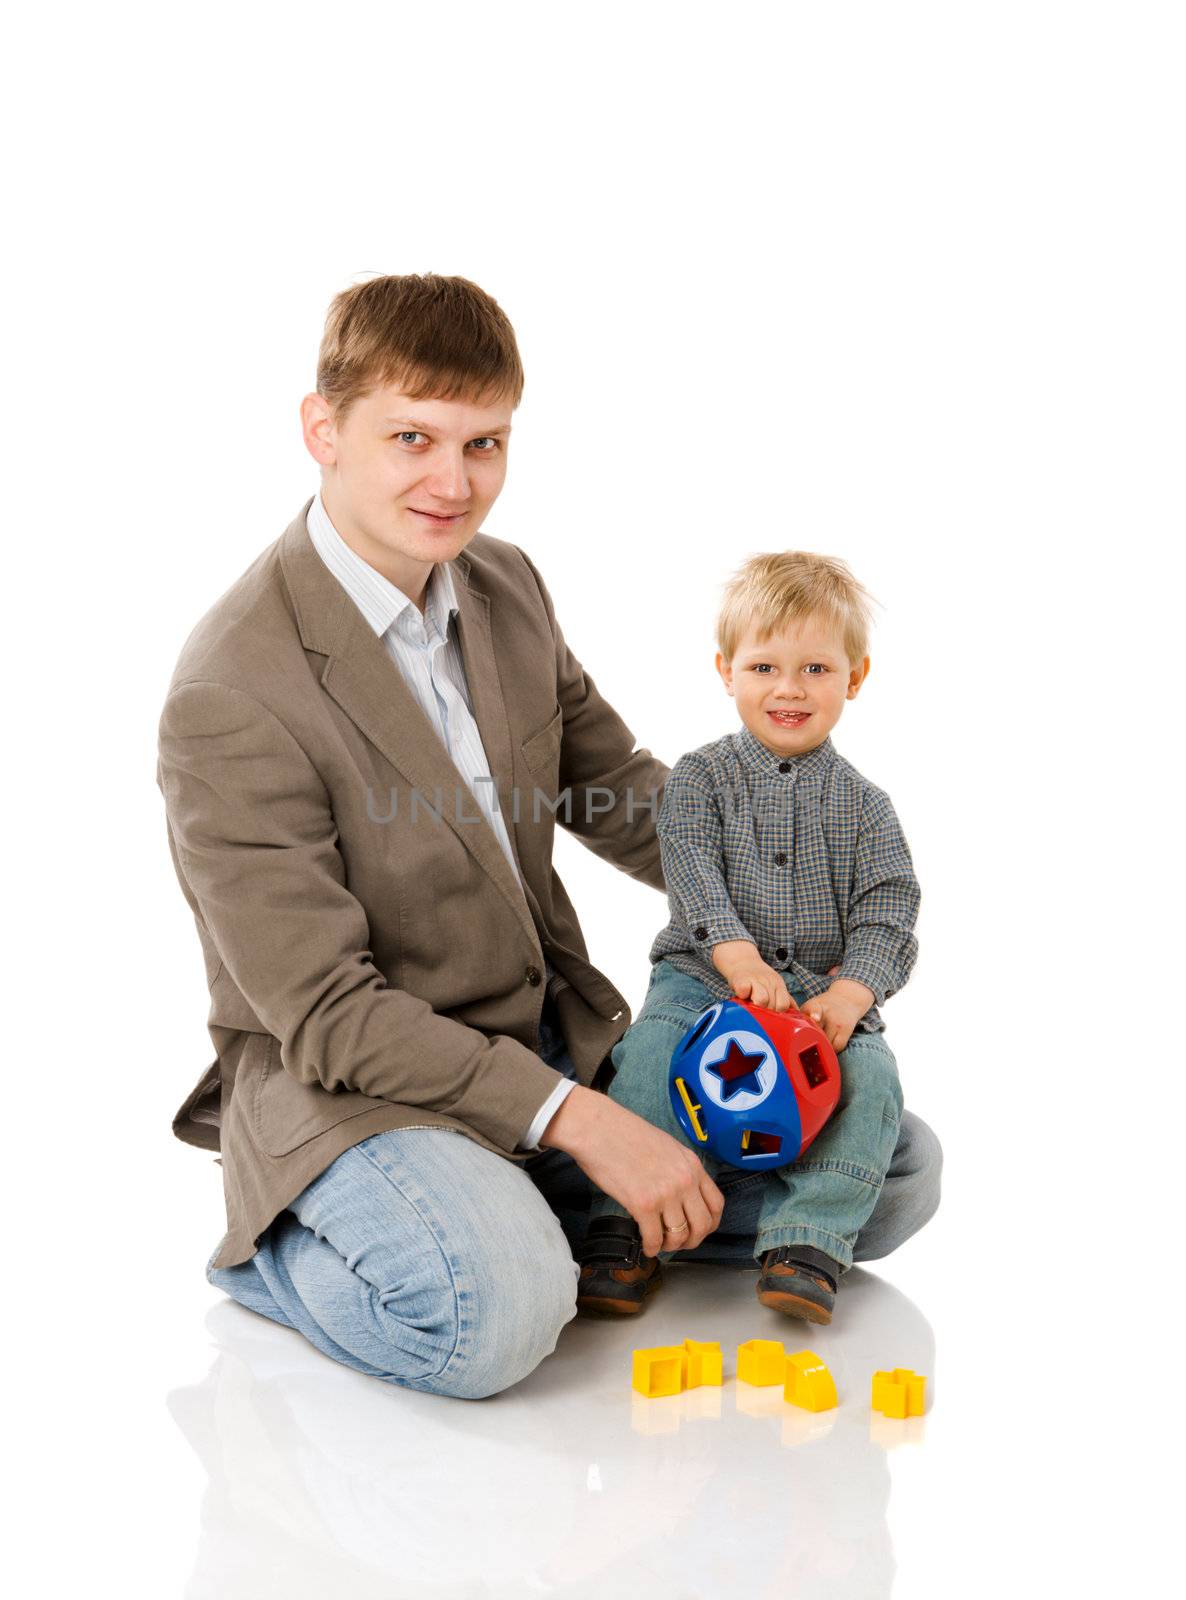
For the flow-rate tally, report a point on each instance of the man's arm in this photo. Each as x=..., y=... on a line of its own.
x=256, y=840
x=598, y=754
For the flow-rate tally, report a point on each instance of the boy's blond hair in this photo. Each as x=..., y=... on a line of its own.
x=769, y=592
x=439, y=338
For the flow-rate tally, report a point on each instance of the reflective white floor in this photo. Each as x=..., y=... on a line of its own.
x=322, y=1481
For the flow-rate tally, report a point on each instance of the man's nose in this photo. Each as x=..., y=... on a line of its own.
x=449, y=478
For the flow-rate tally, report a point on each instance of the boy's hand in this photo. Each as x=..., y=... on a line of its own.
x=838, y=1010
x=738, y=962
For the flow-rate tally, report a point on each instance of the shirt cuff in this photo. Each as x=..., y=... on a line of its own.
x=872, y=974
x=545, y=1114
x=708, y=931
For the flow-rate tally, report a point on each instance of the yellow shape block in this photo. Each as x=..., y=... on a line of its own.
x=660, y=1370
x=809, y=1383
x=761, y=1362
x=900, y=1393
x=704, y=1362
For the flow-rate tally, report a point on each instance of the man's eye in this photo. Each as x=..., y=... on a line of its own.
x=486, y=445
x=409, y=436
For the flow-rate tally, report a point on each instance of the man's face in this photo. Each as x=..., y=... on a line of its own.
x=408, y=482
x=790, y=689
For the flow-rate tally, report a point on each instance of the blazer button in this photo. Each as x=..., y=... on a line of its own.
x=701, y=933
x=781, y=953
x=532, y=975
x=784, y=766
x=780, y=859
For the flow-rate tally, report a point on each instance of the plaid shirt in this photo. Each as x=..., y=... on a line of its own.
x=803, y=856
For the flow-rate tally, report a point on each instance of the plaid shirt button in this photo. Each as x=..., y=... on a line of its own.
x=780, y=954
x=780, y=858
x=702, y=933
x=784, y=766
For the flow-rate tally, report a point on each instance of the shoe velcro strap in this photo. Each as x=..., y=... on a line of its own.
x=810, y=1260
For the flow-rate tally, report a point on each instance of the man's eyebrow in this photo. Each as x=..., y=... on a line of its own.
x=424, y=427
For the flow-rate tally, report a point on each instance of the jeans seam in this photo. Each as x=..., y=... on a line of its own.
x=848, y=1169
x=434, y=1230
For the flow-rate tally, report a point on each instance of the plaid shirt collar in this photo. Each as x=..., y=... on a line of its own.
x=754, y=755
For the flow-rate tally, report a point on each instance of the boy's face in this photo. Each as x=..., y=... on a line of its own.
x=790, y=689
x=408, y=482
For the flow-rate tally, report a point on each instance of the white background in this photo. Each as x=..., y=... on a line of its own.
x=900, y=282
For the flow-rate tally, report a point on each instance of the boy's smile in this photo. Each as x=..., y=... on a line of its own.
x=406, y=482
x=790, y=688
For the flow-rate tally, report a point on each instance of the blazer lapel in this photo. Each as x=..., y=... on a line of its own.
x=362, y=678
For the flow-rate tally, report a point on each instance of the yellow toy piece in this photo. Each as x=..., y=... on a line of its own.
x=761, y=1362
x=809, y=1383
x=705, y=1364
x=900, y=1393
x=660, y=1370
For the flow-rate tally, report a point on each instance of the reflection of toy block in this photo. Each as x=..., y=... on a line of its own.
x=809, y=1383
x=761, y=1362
x=660, y=1370
x=900, y=1393
x=704, y=1362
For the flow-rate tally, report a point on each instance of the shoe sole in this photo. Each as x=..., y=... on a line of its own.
x=596, y=1305
x=792, y=1306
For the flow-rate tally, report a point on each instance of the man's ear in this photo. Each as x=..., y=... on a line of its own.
x=317, y=427
x=725, y=668
x=856, y=677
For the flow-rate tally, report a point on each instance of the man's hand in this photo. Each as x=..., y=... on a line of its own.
x=738, y=962
x=660, y=1182
x=838, y=1010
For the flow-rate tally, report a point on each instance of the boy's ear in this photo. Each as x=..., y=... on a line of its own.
x=856, y=677
x=725, y=668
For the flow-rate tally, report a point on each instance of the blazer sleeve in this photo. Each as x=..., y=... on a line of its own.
x=615, y=787
x=255, y=837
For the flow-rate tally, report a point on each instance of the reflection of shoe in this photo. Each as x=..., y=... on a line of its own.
x=799, y=1281
x=616, y=1277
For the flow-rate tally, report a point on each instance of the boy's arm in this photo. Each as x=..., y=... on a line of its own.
x=615, y=787
x=692, y=853
x=880, y=947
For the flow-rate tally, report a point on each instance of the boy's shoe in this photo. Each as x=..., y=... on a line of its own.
x=799, y=1281
x=616, y=1277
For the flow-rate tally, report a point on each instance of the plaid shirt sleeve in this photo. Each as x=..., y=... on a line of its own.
x=690, y=833
x=880, y=947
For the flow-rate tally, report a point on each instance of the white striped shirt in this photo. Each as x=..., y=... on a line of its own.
x=427, y=652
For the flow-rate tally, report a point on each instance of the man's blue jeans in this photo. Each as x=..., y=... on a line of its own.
x=825, y=1198
x=422, y=1259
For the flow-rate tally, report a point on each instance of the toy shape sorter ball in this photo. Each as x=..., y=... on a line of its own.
x=751, y=1086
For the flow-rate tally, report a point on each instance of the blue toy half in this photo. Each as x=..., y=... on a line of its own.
x=753, y=1087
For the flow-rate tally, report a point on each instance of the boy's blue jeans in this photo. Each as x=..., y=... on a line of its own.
x=426, y=1261
x=825, y=1198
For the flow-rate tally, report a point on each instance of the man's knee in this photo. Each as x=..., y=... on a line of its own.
x=501, y=1317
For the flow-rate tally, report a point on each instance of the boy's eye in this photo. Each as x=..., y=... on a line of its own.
x=815, y=666
x=762, y=666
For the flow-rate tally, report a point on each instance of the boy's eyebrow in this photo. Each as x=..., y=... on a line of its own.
x=424, y=427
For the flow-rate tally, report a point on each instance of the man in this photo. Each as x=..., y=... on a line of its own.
x=363, y=750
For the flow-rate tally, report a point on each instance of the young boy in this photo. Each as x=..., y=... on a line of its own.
x=789, y=882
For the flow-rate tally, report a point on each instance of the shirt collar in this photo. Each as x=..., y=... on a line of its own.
x=757, y=758
x=380, y=602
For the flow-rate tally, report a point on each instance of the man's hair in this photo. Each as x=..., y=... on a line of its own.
x=437, y=338
x=769, y=592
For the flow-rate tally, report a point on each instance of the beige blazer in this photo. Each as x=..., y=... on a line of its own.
x=372, y=961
